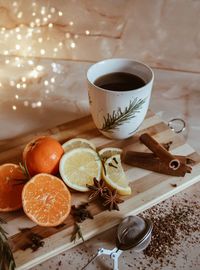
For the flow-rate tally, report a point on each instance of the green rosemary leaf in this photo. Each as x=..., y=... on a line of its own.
x=25, y=170
x=12, y=265
x=80, y=233
x=2, y=231
x=7, y=261
x=119, y=117
x=73, y=237
x=2, y=221
x=77, y=233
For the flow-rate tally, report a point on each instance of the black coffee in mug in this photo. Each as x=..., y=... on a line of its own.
x=119, y=81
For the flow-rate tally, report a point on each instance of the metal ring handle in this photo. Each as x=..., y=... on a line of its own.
x=178, y=121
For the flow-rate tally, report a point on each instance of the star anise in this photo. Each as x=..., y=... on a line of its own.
x=111, y=200
x=97, y=190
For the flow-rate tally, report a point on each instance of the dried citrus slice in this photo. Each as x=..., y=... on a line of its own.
x=77, y=143
x=79, y=166
x=46, y=200
x=11, y=185
x=115, y=176
x=109, y=151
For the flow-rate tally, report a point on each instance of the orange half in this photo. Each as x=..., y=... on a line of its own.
x=46, y=200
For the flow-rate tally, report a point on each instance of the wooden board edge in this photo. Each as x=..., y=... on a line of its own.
x=136, y=211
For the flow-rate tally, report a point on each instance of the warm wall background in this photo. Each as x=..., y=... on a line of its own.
x=39, y=88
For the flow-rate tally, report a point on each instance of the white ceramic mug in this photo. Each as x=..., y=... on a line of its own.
x=118, y=114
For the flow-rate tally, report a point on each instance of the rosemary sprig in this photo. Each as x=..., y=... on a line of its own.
x=7, y=261
x=25, y=170
x=2, y=221
x=77, y=233
x=117, y=118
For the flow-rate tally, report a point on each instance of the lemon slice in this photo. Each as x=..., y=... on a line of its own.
x=79, y=166
x=109, y=151
x=77, y=143
x=115, y=176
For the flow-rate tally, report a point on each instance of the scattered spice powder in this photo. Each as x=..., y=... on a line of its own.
x=174, y=185
x=170, y=228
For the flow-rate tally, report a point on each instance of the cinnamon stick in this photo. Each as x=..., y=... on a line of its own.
x=160, y=151
x=148, y=161
x=144, y=155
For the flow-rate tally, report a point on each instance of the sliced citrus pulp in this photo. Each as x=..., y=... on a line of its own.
x=11, y=185
x=77, y=143
x=79, y=166
x=115, y=176
x=109, y=151
x=46, y=200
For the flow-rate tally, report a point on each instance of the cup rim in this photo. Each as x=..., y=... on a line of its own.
x=120, y=59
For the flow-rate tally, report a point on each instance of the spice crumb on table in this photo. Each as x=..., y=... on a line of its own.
x=180, y=215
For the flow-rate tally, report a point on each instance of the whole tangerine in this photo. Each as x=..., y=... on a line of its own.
x=12, y=181
x=42, y=155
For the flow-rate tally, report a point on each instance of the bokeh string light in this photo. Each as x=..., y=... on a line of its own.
x=30, y=40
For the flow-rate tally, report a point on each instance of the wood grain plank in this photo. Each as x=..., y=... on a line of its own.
x=148, y=188
x=106, y=220
x=138, y=174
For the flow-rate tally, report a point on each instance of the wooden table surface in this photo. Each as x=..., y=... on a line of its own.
x=42, y=83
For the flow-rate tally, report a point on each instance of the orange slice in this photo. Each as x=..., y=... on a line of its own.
x=46, y=200
x=10, y=190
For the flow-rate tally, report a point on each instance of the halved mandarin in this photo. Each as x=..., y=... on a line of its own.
x=46, y=200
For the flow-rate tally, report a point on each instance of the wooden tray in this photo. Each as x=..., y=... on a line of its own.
x=148, y=188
